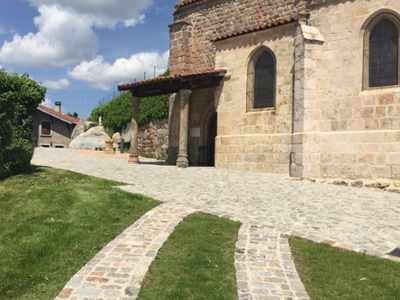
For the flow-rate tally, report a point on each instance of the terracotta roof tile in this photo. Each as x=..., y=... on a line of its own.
x=166, y=78
x=63, y=116
x=254, y=29
x=183, y=3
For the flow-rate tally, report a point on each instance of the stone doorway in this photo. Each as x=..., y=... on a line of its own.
x=207, y=150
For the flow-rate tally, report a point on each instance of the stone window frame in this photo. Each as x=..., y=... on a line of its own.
x=254, y=56
x=41, y=128
x=371, y=25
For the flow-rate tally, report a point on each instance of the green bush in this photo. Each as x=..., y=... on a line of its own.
x=19, y=99
x=118, y=112
x=17, y=157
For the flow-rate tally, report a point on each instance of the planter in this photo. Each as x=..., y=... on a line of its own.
x=109, y=146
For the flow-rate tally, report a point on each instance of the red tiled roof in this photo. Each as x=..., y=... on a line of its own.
x=126, y=86
x=63, y=116
x=183, y=3
x=254, y=29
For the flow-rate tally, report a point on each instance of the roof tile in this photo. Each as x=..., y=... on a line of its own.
x=63, y=116
x=254, y=29
x=166, y=78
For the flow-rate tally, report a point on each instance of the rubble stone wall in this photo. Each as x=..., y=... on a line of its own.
x=196, y=24
x=153, y=138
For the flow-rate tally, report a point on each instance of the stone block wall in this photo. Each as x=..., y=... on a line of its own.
x=196, y=24
x=153, y=138
x=60, y=133
x=255, y=139
x=342, y=129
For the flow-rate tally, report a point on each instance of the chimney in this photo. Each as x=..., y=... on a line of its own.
x=58, y=106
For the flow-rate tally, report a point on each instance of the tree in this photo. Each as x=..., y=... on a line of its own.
x=74, y=115
x=19, y=98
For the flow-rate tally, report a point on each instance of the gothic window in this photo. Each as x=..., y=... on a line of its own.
x=261, y=80
x=382, y=52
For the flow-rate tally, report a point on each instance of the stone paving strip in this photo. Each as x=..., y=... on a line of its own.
x=118, y=269
x=264, y=266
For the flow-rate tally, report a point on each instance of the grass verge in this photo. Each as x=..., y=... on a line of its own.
x=196, y=262
x=331, y=273
x=52, y=222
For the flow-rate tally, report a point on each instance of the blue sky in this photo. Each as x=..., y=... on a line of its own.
x=82, y=49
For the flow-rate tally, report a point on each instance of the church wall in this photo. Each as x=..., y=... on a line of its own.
x=195, y=25
x=345, y=130
x=255, y=139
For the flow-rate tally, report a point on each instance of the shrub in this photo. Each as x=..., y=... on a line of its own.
x=19, y=98
x=17, y=157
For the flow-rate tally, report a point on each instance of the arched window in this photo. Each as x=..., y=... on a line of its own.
x=382, y=52
x=261, y=80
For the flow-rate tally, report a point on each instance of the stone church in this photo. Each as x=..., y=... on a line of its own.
x=303, y=88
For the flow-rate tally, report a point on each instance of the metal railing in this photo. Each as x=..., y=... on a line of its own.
x=149, y=74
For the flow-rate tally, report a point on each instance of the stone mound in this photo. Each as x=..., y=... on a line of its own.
x=91, y=139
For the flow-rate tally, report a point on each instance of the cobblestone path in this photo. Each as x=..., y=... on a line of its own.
x=274, y=206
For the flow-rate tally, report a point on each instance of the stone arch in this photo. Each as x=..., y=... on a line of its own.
x=208, y=135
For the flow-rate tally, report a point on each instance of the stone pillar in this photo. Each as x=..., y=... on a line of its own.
x=182, y=161
x=133, y=155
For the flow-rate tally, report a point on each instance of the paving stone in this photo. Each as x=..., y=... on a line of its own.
x=270, y=207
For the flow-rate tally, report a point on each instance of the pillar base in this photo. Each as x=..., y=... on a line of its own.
x=133, y=159
x=182, y=162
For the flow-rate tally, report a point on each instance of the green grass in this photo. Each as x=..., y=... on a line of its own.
x=196, y=262
x=52, y=222
x=330, y=273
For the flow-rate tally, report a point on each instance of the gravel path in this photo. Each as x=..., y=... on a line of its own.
x=271, y=205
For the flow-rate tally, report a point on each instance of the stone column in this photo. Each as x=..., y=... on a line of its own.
x=182, y=161
x=133, y=154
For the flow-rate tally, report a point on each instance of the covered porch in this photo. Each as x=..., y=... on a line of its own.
x=181, y=84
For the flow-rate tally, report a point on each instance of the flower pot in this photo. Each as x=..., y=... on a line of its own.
x=109, y=146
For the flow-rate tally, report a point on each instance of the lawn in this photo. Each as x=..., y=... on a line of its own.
x=52, y=222
x=196, y=262
x=330, y=273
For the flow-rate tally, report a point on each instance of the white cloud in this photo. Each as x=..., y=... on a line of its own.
x=47, y=102
x=2, y=30
x=102, y=75
x=133, y=22
x=63, y=38
x=65, y=35
x=62, y=84
x=103, y=13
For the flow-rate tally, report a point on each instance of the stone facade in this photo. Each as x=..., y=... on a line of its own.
x=326, y=121
x=60, y=136
x=343, y=129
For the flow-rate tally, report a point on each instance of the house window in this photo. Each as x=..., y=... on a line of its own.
x=381, y=61
x=46, y=128
x=261, y=80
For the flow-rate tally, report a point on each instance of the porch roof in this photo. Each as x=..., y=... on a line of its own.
x=174, y=83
